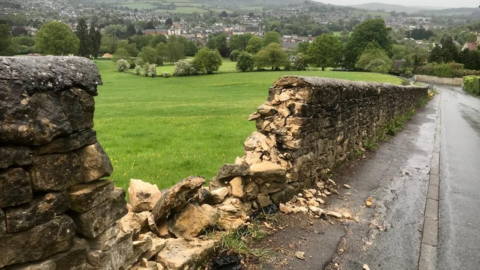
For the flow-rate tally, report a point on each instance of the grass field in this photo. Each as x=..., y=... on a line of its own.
x=162, y=130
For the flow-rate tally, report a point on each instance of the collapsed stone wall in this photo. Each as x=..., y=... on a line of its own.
x=55, y=206
x=57, y=212
x=310, y=124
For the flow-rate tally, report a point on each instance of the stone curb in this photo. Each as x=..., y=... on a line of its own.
x=428, y=249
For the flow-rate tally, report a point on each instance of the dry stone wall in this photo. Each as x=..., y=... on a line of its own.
x=57, y=210
x=55, y=206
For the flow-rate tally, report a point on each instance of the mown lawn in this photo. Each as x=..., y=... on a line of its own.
x=162, y=130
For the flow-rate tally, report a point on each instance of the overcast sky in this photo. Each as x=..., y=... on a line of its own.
x=432, y=3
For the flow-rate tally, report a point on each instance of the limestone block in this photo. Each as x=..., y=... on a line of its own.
x=15, y=156
x=135, y=223
x=42, y=209
x=55, y=172
x=182, y=254
x=237, y=187
x=78, y=106
x=37, y=243
x=98, y=219
x=3, y=224
x=250, y=190
x=177, y=197
x=205, y=196
x=157, y=245
x=219, y=195
x=140, y=247
x=15, y=187
x=229, y=171
x=143, y=196
x=49, y=119
x=284, y=195
x=16, y=125
x=254, y=140
x=95, y=162
x=84, y=197
x=114, y=257
x=193, y=220
x=106, y=239
x=69, y=143
x=267, y=172
x=73, y=259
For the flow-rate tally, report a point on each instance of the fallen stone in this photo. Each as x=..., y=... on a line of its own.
x=95, y=162
x=250, y=190
x=267, y=172
x=204, y=196
x=139, y=248
x=284, y=195
x=177, y=197
x=146, y=265
x=193, y=220
x=365, y=267
x=263, y=200
x=42, y=209
x=50, y=120
x=334, y=214
x=69, y=143
x=300, y=255
x=98, y=219
x=313, y=202
x=73, y=259
x=316, y=210
x=218, y=195
x=157, y=245
x=78, y=106
x=55, y=172
x=285, y=209
x=15, y=156
x=84, y=197
x=114, y=257
x=33, y=244
x=15, y=187
x=143, y=196
x=347, y=186
x=136, y=223
x=229, y=171
x=182, y=254
x=229, y=223
x=236, y=184
x=369, y=202
x=300, y=209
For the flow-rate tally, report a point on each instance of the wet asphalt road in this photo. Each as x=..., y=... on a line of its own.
x=459, y=234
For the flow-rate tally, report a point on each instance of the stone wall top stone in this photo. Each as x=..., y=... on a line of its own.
x=41, y=74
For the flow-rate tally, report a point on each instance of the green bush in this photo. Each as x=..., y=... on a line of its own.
x=471, y=84
x=122, y=65
x=446, y=70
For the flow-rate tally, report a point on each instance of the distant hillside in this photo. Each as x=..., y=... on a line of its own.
x=250, y=3
x=451, y=11
x=390, y=7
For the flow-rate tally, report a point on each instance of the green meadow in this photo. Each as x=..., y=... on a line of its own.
x=162, y=130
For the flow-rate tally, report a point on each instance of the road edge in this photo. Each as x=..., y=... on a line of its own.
x=428, y=249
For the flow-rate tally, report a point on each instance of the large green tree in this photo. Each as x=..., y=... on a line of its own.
x=449, y=51
x=56, y=38
x=254, y=45
x=239, y=42
x=150, y=55
x=96, y=39
x=207, y=61
x=7, y=45
x=271, y=37
x=436, y=56
x=271, y=56
x=325, y=51
x=85, y=45
x=365, y=33
x=374, y=59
